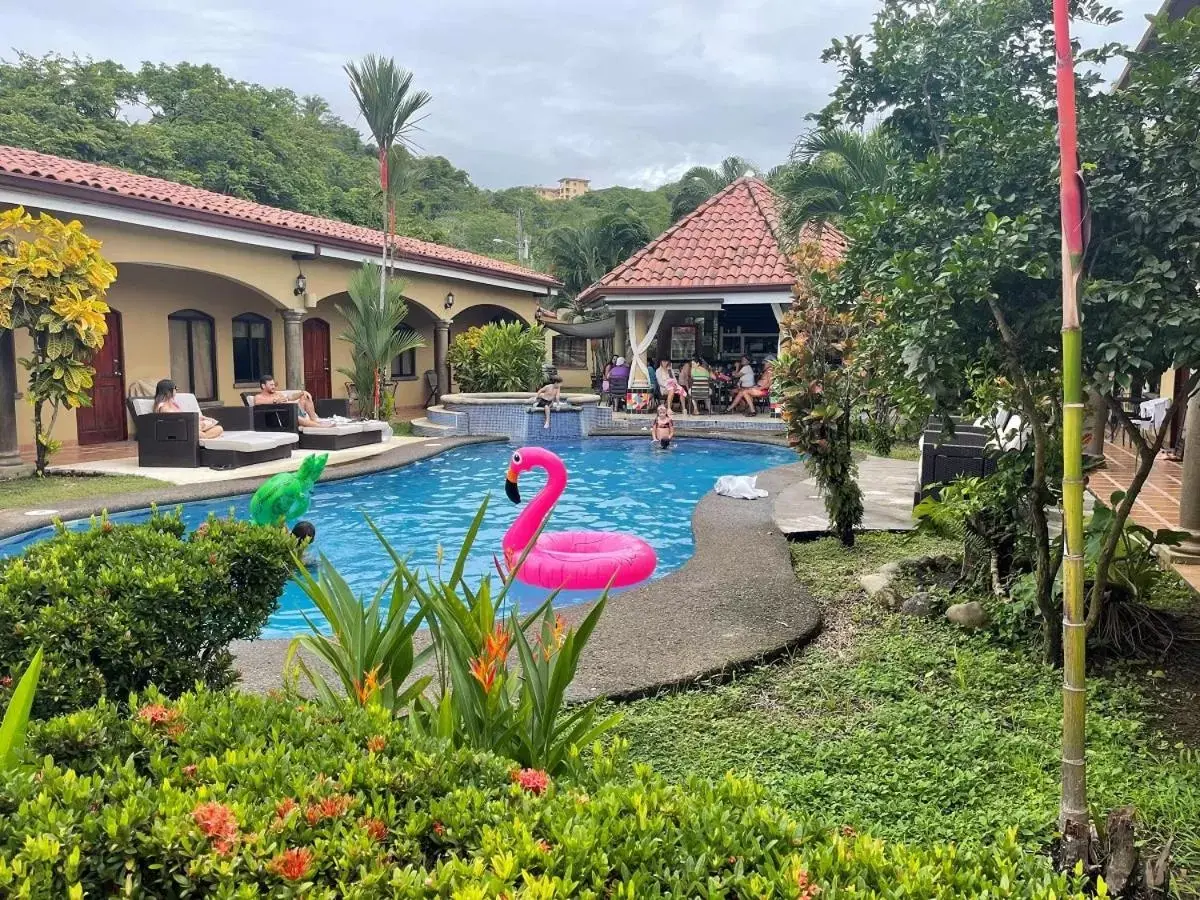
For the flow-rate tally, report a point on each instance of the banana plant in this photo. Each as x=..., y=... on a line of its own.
x=16, y=717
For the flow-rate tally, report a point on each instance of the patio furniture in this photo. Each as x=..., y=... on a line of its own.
x=431, y=385
x=701, y=392
x=327, y=408
x=173, y=439
x=617, y=389
x=281, y=418
x=947, y=457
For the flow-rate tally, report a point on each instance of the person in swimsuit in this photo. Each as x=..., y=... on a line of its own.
x=164, y=402
x=306, y=412
x=547, y=396
x=663, y=429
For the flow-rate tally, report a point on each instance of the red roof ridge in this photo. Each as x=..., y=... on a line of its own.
x=768, y=255
x=33, y=166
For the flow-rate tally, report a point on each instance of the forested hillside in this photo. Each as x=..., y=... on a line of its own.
x=191, y=123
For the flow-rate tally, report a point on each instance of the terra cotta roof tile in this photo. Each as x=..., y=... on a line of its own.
x=729, y=241
x=30, y=167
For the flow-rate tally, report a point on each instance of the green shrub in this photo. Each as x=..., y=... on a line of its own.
x=499, y=357
x=228, y=795
x=120, y=607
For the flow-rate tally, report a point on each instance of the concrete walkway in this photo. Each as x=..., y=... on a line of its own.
x=887, y=486
x=736, y=601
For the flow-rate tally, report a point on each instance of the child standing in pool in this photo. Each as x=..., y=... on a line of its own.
x=663, y=429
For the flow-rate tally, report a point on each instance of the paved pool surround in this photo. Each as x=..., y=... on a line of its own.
x=513, y=416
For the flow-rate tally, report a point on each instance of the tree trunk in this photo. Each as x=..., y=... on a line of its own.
x=40, y=439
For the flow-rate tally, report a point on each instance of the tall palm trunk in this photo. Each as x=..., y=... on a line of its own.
x=1073, y=811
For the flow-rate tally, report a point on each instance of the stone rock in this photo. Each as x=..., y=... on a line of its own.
x=891, y=570
x=967, y=615
x=875, y=583
x=919, y=605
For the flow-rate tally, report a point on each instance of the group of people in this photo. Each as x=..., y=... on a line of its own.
x=268, y=392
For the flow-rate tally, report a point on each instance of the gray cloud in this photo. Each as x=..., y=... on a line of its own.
x=623, y=92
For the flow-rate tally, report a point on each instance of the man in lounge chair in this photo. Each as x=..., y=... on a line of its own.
x=307, y=413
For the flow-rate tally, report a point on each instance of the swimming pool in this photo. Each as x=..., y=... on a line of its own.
x=615, y=484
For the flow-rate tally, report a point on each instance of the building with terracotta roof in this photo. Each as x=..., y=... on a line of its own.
x=715, y=284
x=213, y=291
x=568, y=189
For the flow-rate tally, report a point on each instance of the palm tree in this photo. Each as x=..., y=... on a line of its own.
x=701, y=182
x=581, y=256
x=828, y=169
x=389, y=106
x=375, y=332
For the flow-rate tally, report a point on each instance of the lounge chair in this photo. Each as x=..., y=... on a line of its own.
x=281, y=418
x=173, y=439
x=701, y=392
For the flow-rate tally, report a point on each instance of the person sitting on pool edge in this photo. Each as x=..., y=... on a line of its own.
x=663, y=429
x=547, y=395
x=164, y=402
x=306, y=411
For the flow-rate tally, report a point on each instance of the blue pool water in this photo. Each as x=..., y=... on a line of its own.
x=615, y=484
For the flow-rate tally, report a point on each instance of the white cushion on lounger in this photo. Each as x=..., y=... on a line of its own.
x=348, y=428
x=142, y=406
x=250, y=441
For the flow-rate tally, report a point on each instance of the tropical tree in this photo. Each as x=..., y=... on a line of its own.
x=580, y=256
x=829, y=167
x=52, y=284
x=389, y=106
x=375, y=332
x=701, y=182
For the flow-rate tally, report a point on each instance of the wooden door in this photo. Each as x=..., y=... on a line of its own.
x=318, y=377
x=105, y=420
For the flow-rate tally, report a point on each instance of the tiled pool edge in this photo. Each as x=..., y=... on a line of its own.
x=15, y=522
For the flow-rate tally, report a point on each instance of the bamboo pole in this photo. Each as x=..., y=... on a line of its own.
x=1073, y=811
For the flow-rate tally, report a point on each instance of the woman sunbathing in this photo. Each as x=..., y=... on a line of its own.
x=164, y=402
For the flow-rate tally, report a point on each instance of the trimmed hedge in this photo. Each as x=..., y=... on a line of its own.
x=228, y=795
x=120, y=607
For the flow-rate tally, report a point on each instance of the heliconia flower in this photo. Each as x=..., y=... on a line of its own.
x=368, y=687
x=496, y=644
x=376, y=829
x=376, y=743
x=533, y=780
x=484, y=671
x=292, y=865
x=217, y=822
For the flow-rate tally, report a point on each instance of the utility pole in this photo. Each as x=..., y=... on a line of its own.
x=522, y=239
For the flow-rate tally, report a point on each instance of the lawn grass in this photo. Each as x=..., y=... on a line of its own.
x=918, y=732
x=33, y=492
x=900, y=450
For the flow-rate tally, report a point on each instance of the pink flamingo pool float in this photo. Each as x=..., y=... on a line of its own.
x=570, y=560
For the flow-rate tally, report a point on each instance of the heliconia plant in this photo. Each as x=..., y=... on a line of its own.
x=16, y=717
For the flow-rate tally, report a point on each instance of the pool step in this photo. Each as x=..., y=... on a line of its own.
x=424, y=428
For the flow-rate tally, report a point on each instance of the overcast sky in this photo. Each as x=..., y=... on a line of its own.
x=626, y=92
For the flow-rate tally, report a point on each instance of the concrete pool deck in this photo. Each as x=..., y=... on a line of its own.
x=735, y=602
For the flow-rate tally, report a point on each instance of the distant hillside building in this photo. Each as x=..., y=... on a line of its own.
x=568, y=188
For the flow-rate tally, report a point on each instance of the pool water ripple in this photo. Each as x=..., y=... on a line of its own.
x=615, y=484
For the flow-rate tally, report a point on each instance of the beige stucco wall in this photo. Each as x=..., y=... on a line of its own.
x=159, y=272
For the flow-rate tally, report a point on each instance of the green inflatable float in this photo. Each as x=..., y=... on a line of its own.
x=284, y=497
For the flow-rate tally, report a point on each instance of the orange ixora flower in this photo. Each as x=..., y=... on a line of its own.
x=533, y=780
x=158, y=715
x=807, y=890
x=329, y=808
x=286, y=807
x=189, y=771
x=376, y=743
x=439, y=829
x=292, y=865
x=376, y=829
x=218, y=823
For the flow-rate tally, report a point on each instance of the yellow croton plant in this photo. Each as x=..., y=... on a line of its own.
x=53, y=281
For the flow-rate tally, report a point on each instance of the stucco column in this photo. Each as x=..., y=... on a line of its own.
x=441, y=349
x=293, y=348
x=10, y=455
x=620, y=345
x=1189, y=493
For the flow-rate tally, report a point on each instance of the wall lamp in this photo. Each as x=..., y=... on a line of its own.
x=301, y=285
x=449, y=300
